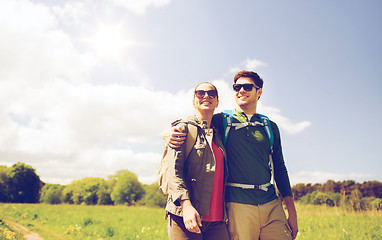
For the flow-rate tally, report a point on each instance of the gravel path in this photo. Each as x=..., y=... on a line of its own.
x=28, y=235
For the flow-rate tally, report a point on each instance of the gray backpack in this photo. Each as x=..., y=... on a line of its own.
x=163, y=166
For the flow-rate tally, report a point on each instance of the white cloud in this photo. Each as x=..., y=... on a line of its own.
x=322, y=177
x=273, y=113
x=52, y=116
x=85, y=130
x=35, y=50
x=226, y=96
x=248, y=65
x=282, y=121
x=94, y=128
x=140, y=6
x=72, y=13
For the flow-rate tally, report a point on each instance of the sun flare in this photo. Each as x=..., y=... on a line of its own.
x=109, y=42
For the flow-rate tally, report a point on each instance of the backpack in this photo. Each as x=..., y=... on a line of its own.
x=265, y=122
x=163, y=165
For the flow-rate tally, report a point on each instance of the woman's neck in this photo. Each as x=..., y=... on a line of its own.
x=202, y=116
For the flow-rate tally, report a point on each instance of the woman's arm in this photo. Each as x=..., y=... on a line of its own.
x=191, y=217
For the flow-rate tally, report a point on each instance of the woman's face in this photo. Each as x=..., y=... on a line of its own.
x=205, y=98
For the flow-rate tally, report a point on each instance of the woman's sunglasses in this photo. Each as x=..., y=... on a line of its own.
x=247, y=87
x=201, y=93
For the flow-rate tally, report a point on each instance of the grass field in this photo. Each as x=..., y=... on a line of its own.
x=54, y=222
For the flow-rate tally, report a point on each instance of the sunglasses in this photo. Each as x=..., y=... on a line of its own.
x=247, y=87
x=201, y=93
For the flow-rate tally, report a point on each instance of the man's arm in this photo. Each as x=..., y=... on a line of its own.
x=292, y=215
x=282, y=181
x=174, y=136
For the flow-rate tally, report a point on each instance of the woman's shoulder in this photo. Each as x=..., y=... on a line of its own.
x=184, y=122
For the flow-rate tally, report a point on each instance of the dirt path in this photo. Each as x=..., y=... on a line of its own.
x=28, y=235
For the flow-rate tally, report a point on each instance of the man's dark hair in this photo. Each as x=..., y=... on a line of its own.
x=249, y=74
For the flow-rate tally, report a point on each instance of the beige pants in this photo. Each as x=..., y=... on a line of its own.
x=264, y=222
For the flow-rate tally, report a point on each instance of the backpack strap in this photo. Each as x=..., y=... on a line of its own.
x=191, y=137
x=268, y=130
x=227, y=123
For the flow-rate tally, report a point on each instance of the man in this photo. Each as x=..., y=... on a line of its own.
x=254, y=209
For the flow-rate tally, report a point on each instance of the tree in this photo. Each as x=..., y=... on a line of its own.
x=154, y=196
x=23, y=184
x=127, y=188
x=371, y=189
x=51, y=194
x=3, y=183
x=300, y=190
x=90, y=190
x=331, y=186
x=347, y=187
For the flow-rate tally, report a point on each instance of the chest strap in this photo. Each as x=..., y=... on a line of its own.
x=245, y=124
x=263, y=187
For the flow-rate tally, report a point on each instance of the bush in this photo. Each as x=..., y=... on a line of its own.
x=154, y=196
x=51, y=194
x=88, y=191
x=127, y=190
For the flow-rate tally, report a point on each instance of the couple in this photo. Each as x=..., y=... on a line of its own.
x=217, y=182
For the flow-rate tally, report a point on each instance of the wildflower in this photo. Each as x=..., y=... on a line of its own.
x=8, y=234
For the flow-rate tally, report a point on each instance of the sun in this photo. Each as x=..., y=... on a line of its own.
x=109, y=41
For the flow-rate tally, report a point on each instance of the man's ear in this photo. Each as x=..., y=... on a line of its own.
x=259, y=92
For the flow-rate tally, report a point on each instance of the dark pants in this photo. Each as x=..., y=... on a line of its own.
x=210, y=230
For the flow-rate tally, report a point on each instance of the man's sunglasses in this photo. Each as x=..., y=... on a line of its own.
x=201, y=93
x=247, y=87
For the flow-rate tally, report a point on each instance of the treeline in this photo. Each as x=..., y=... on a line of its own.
x=20, y=184
x=347, y=194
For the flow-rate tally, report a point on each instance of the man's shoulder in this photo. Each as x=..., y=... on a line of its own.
x=217, y=116
x=217, y=120
x=273, y=124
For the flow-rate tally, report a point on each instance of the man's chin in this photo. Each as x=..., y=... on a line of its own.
x=242, y=103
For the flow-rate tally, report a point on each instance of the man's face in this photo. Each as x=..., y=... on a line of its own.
x=246, y=98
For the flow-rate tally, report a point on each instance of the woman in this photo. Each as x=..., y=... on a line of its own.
x=195, y=204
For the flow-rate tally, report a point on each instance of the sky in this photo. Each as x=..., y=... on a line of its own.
x=87, y=87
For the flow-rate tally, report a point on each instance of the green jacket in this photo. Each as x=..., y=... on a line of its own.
x=192, y=178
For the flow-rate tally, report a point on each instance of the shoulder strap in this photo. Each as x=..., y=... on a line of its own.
x=191, y=138
x=227, y=123
x=268, y=129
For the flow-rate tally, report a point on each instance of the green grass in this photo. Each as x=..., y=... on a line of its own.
x=54, y=222
x=321, y=222
x=88, y=222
